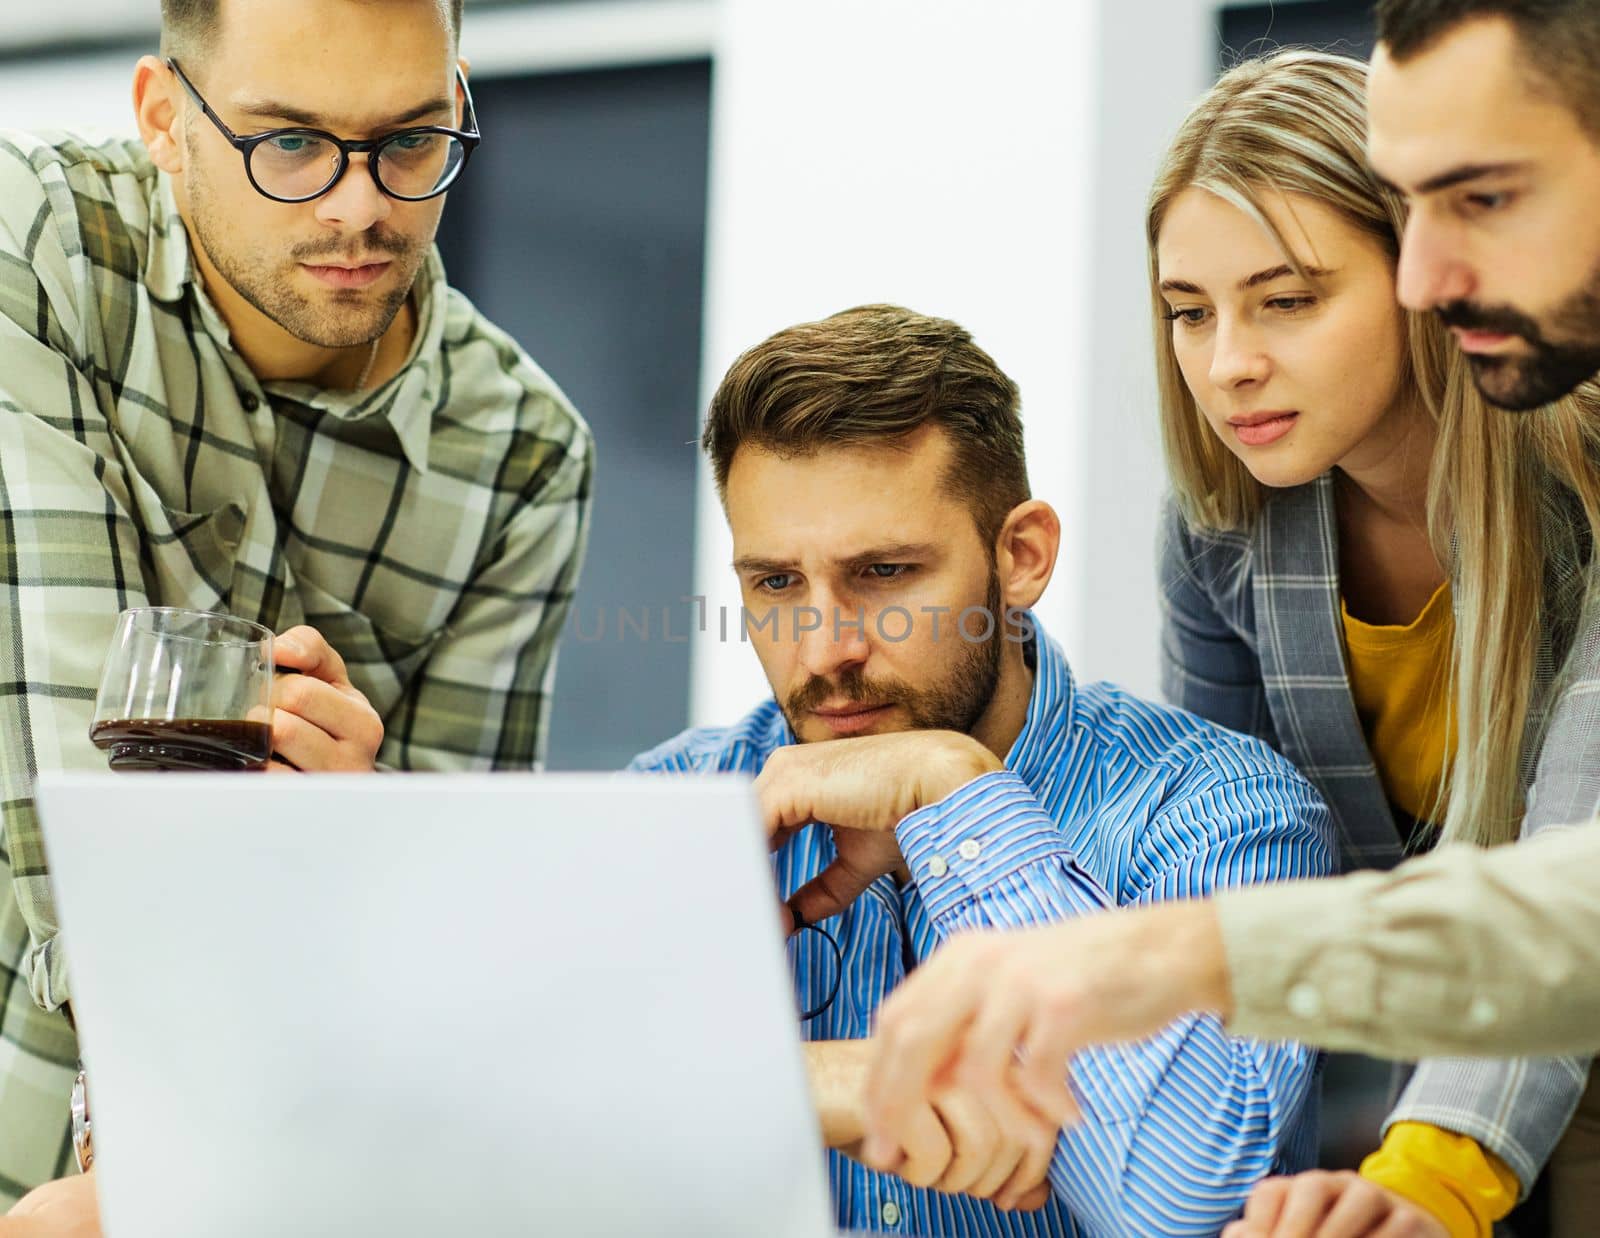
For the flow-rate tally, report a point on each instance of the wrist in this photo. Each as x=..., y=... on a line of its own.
x=837, y=1070
x=1208, y=956
x=1186, y=965
x=962, y=759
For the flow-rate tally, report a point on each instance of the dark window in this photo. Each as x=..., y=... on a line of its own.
x=580, y=230
x=1332, y=25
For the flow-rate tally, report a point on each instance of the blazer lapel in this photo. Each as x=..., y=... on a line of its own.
x=1301, y=647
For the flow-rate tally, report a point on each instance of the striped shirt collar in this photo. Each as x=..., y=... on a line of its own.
x=407, y=400
x=1036, y=751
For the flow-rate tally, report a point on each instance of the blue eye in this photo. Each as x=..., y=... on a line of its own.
x=774, y=583
x=415, y=150
x=291, y=151
x=889, y=571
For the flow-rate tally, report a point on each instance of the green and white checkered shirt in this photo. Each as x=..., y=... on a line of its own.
x=431, y=529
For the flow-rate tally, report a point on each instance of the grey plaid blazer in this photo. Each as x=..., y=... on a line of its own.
x=1252, y=638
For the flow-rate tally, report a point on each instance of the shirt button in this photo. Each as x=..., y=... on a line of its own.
x=1483, y=1012
x=937, y=867
x=890, y=1212
x=250, y=402
x=971, y=849
x=1304, y=1002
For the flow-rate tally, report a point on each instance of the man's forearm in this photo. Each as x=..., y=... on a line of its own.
x=1159, y=963
x=838, y=1070
x=1462, y=952
x=1489, y=953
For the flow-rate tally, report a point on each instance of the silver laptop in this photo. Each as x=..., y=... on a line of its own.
x=433, y=1005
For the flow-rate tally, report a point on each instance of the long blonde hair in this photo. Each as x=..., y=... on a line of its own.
x=1513, y=501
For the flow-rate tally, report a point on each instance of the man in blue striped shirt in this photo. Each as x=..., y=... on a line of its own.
x=928, y=765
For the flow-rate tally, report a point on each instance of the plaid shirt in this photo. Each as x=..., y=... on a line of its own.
x=431, y=529
x=1252, y=639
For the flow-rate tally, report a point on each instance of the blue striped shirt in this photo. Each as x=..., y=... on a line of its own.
x=1106, y=800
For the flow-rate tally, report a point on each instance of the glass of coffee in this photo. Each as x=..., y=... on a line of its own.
x=185, y=689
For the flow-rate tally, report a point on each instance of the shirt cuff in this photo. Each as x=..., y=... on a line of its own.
x=1297, y=960
x=1466, y=1188
x=961, y=847
x=46, y=969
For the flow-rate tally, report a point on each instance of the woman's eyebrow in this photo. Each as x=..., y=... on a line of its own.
x=1249, y=281
x=1277, y=272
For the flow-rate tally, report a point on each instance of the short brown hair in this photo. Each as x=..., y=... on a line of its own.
x=189, y=27
x=874, y=375
x=1560, y=40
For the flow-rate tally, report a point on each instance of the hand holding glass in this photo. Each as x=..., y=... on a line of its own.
x=185, y=689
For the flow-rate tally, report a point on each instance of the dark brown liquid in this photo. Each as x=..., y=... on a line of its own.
x=183, y=743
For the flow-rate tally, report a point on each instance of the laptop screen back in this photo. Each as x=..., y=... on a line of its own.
x=430, y=1005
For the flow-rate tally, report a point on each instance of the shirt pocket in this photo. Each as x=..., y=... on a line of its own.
x=190, y=556
x=382, y=659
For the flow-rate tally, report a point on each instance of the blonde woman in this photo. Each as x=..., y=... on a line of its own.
x=1363, y=563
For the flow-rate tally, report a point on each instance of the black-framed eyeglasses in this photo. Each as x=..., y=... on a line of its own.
x=297, y=165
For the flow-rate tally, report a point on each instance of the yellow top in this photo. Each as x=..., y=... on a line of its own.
x=1467, y=1188
x=1400, y=680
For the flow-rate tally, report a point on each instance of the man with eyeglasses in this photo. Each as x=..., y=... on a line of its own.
x=235, y=378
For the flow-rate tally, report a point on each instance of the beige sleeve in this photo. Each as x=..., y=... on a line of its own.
x=1462, y=952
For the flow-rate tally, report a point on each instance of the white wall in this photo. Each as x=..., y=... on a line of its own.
x=987, y=163
x=1156, y=57
x=22, y=23
x=85, y=93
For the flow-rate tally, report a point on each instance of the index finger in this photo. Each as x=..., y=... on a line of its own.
x=782, y=798
x=829, y=893
x=306, y=650
x=927, y=1149
x=1031, y=1201
x=988, y=1063
x=918, y=1029
x=1266, y=1202
x=1041, y=1076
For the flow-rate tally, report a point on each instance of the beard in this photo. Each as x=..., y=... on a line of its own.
x=343, y=318
x=955, y=703
x=1553, y=369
